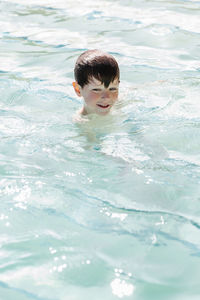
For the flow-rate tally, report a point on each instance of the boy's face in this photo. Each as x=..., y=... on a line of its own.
x=97, y=98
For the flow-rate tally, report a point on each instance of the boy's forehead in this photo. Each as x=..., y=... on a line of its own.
x=95, y=81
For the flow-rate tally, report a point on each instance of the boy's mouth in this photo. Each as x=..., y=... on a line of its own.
x=103, y=106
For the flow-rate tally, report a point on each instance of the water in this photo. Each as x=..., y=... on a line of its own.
x=105, y=209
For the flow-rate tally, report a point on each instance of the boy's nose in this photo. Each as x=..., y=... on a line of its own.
x=105, y=94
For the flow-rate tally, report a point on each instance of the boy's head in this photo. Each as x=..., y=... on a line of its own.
x=97, y=80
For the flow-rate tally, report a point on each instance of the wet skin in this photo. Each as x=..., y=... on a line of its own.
x=97, y=98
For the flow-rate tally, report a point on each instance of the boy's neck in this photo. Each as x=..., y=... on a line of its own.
x=83, y=111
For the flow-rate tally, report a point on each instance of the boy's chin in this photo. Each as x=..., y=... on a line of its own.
x=103, y=111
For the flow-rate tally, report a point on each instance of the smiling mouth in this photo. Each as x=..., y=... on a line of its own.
x=103, y=106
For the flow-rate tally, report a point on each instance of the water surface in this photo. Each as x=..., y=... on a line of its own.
x=107, y=209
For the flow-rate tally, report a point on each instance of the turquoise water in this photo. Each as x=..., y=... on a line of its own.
x=107, y=209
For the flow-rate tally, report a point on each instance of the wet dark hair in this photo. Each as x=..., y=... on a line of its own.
x=98, y=64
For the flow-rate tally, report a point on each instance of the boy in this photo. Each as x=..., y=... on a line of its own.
x=97, y=81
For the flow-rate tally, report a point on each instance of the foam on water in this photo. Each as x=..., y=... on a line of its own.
x=107, y=208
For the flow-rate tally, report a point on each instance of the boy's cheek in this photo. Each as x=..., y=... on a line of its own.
x=115, y=96
x=93, y=97
x=90, y=99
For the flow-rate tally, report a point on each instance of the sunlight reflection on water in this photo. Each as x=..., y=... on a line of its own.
x=106, y=208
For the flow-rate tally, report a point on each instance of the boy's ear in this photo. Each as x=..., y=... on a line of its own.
x=76, y=88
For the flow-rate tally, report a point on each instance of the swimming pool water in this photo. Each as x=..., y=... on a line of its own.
x=107, y=209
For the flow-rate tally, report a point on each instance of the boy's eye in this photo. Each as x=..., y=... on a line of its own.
x=96, y=90
x=113, y=89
